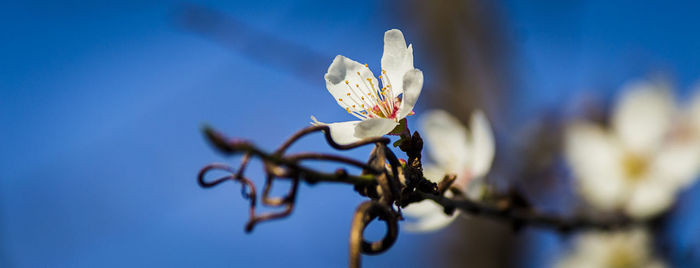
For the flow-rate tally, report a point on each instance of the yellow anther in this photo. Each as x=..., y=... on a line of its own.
x=380, y=76
x=383, y=71
x=348, y=94
x=353, y=106
x=340, y=99
x=365, y=64
x=358, y=73
x=363, y=106
x=347, y=82
x=347, y=109
x=357, y=85
x=362, y=97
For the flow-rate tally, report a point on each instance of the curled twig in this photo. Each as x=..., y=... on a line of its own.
x=364, y=214
x=236, y=176
x=279, y=166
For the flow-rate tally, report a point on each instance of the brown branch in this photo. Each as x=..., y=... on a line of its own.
x=327, y=134
x=520, y=217
x=383, y=179
x=279, y=166
x=232, y=147
x=334, y=158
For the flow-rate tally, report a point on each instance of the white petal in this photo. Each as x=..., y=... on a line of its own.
x=421, y=209
x=446, y=140
x=482, y=145
x=677, y=163
x=595, y=161
x=590, y=250
x=475, y=188
x=642, y=116
x=397, y=59
x=605, y=249
x=374, y=127
x=412, y=85
x=342, y=132
x=694, y=111
x=427, y=216
x=353, y=131
x=650, y=197
x=434, y=173
x=343, y=69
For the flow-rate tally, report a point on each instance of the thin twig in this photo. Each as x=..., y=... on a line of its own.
x=364, y=214
x=530, y=217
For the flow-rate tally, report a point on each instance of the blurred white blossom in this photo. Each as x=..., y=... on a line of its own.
x=637, y=166
x=596, y=249
x=688, y=128
x=454, y=150
x=356, y=90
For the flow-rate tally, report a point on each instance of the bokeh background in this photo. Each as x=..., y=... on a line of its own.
x=101, y=105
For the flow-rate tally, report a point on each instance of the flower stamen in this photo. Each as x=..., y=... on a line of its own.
x=634, y=166
x=361, y=101
x=353, y=103
x=387, y=84
x=384, y=111
x=356, y=93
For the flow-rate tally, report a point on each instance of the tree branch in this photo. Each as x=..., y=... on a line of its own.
x=383, y=179
x=520, y=217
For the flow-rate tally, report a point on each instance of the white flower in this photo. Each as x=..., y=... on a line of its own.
x=689, y=129
x=455, y=150
x=636, y=167
x=614, y=250
x=379, y=108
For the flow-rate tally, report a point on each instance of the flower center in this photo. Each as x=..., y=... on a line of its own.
x=622, y=258
x=377, y=109
x=634, y=166
x=366, y=100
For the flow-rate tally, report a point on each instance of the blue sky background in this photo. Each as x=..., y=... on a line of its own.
x=101, y=105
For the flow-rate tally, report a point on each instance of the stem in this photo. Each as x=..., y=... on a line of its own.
x=523, y=216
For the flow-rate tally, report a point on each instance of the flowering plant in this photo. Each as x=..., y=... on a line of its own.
x=379, y=108
x=632, y=170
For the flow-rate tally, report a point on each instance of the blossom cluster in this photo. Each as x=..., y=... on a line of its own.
x=634, y=167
